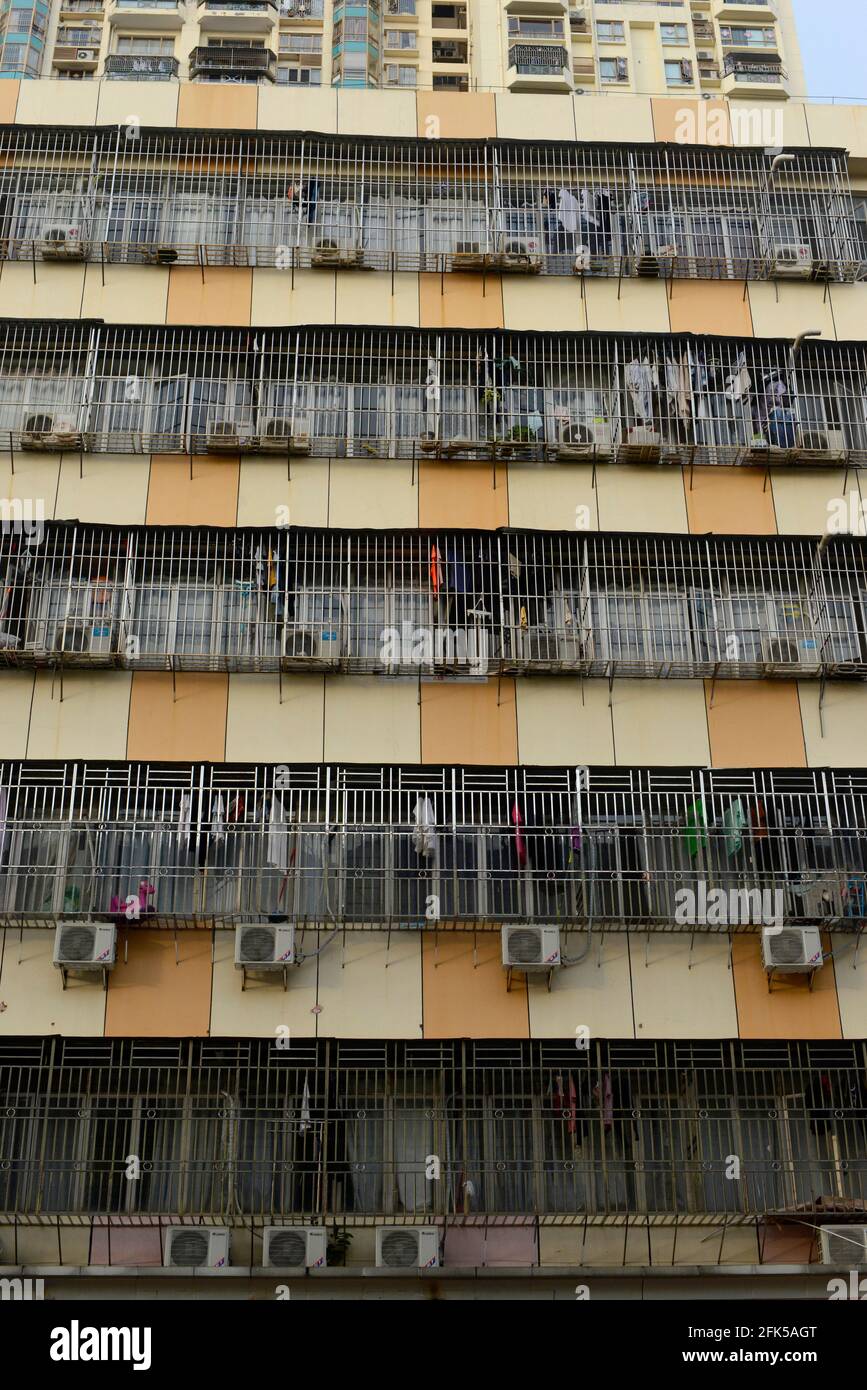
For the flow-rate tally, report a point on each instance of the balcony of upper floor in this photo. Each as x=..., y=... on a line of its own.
x=78, y=9
x=539, y=68
x=759, y=12
x=140, y=67
x=226, y=63
x=237, y=16
x=556, y=9
x=143, y=16
x=580, y=24
x=748, y=74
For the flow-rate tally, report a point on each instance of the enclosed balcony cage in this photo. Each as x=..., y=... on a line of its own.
x=274, y=199
x=240, y=1133
x=424, y=847
x=430, y=604
x=413, y=393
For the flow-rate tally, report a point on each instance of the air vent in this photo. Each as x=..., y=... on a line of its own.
x=196, y=1247
x=298, y=1246
x=407, y=1247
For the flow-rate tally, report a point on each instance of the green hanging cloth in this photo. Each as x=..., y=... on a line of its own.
x=734, y=820
x=696, y=827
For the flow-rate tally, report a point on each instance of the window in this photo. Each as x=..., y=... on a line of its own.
x=742, y=37
x=83, y=37
x=300, y=43
x=293, y=75
x=400, y=75
x=535, y=28
x=156, y=47
x=401, y=38
x=613, y=69
x=609, y=31
x=678, y=74
x=674, y=33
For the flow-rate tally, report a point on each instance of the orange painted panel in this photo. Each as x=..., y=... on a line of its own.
x=755, y=724
x=790, y=1010
x=460, y=301
x=224, y=296
x=709, y=306
x=464, y=723
x=187, y=724
x=463, y=494
x=729, y=501
x=465, y=996
x=690, y=121
x=456, y=115
x=155, y=993
x=8, y=101
x=217, y=106
x=209, y=498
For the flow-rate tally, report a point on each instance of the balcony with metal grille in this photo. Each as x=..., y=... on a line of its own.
x=655, y=211
x=538, y=67
x=227, y=64
x=140, y=68
x=745, y=73
x=237, y=16
x=433, y=848
x=458, y=604
x=146, y=16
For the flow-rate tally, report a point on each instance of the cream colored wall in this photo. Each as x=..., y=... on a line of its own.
x=89, y=722
x=682, y=988
x=564, y=721
x=660, y=723
x=264, y=1008
x=370, y=720
x=17, y=698
x=801, y=498
x=839, y=738
x=784, y=310
x=567, y=500
x=373, y=494
x=259, y=728
x=151, y=103
x=265, y=489
x=55, y=294
x=112, y=490
x=370, y=986
x=619, y=117
x=32, y=993
x=641, y=499
x=131, y=293
x=594, y=994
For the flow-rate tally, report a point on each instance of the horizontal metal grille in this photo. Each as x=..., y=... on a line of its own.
x=414, y=393
x=239, y=1130
x=463, y=604
x=422, y=847
x=128, y=193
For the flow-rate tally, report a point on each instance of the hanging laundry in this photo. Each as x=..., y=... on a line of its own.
x=306, y=1122
x=696, y=827
x=740, y=383
x=436, y=569
x=535, y=423
x=734, y=819
x=677, y=385
x=568, y=210
x=520, y=842
x=641, y=381
x=277, y=845
x=424, y=837
x=184, y=820
x=218, y=818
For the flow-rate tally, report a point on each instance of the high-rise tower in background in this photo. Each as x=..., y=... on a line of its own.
x=433, y=623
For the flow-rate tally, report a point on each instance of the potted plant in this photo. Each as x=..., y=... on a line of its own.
x=339, y=1241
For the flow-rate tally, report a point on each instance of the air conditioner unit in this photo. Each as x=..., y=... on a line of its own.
x=843, y=1245
x=63, y=243
x=49, y=432
x=792, y=951
x=160, y=255
x=319, y=644
x=791, y=259
x=468, y=255
x=196, y=1247
x=301, y=1247
x=447, y=51
x=520, y=253
x=85, y=946
x=781, y=651
x=583, y=260
x=407, y=1247
x=584, y=440
x=703, y=56
x=264, y=946
x=85, y=55
x=84, y=637
x=824, y=442
x=641, y=444
x=278, y=437
x=224, y=438
x=531, y=948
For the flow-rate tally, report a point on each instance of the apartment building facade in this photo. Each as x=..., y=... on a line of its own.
x=433, y=640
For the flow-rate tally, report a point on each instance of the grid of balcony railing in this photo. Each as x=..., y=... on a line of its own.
x=239, y=1131
x=423, y=847
x=415, y=393
x=410, y=603
x=136, y=194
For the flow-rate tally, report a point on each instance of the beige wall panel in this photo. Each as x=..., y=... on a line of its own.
x=800, y=307
x=16, y=698
x=791, y=1009
x=463, y=494
x=55, y=295
x=567, y=501
x=366, y=297
x=596, y=993
x=217, y=106
x=455, y=115
x=604, y=1246
x=57, y=103
x=464, y=723
x=849, y=303
x=370, y=720
x=801, y=498
x=264, y=490
x=750, y=123
x=691, y=121
x=223, y=297
x=641, y=308
x=850, y=974
x=184, y=723
x=601, y=118
x=544, y=117
x=161, y=985
x=460, y=301
x=53, y=1245
x=33, y=482
x=553, y=302
x=275, y=303
x=32, y=992
x=375, y=113
x=372, y=494
x=465, y=992
x=729, y=501
x=263, y=1007
x=844, y=721
x=709, y=306
x=152, y=103
x=582, y=721
x=8, y=101
x=89, y=722
x=131, y=293
x=641, y=499
x=261, y=729
x=208, y=498
x=114, y=489
x=682, y=994
x=755, y=724
x=835, y=127
x=661, y=723
x=370, y=986
x=282, y=109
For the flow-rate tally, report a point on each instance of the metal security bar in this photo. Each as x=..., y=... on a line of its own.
x=414, y=394
x=240, y=1132
x=134, y=194
x=459, y=603
x=425, y=847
